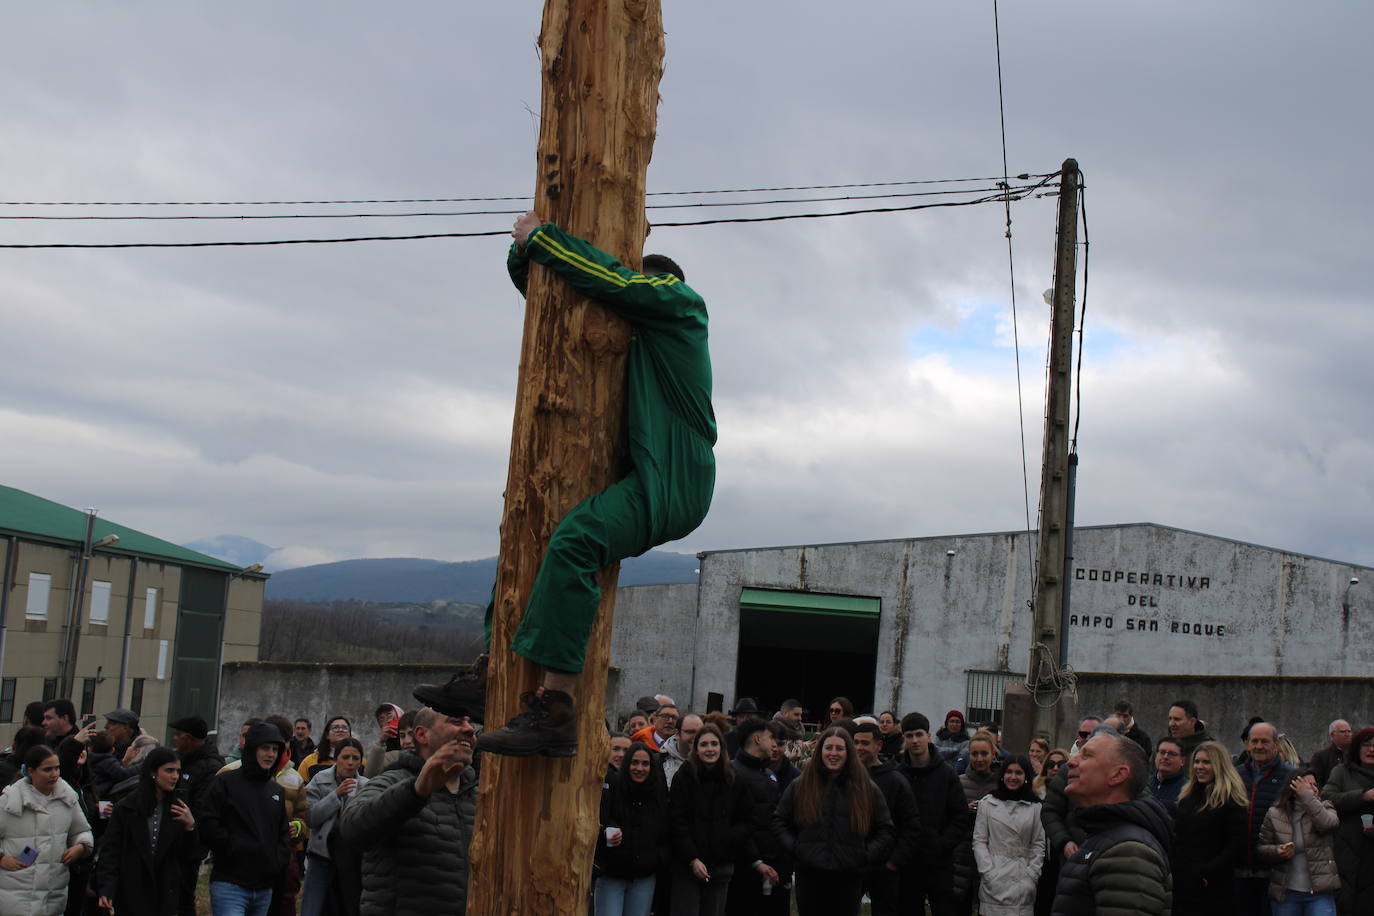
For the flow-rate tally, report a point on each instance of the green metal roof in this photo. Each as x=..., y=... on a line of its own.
x=35, y=518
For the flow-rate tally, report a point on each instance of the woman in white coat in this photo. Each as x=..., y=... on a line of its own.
x=1009, y=843
x=43, y=813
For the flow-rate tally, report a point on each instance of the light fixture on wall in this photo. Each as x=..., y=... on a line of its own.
x=108, y=540
x=1345, y=599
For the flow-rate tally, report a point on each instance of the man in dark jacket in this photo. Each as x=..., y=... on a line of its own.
x=883, y=883
x=1264, y=775
x=414, y=819
x=943, y=816
x=759, y=783
x=198, y=768
x=1131, y=728
x=1169, y=776
x=1185, y=727
x=1325, y=760
x=1122, y=865
x=243, y=822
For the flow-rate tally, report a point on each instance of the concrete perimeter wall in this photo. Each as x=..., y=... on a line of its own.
x=1301, y=707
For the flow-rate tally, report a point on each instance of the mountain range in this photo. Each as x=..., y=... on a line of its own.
x=414, y=579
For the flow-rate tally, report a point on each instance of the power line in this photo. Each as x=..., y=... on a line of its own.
x=434, y=213
x=1001, y=195
x=454, y=200
x=1011, y=263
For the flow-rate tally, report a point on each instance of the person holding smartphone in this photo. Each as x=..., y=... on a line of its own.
x=42, y=831
x=150, y=837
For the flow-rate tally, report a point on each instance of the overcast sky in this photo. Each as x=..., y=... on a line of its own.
x=344, y=401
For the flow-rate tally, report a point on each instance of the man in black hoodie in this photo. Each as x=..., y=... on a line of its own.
x=243, y=821
x=944, y=820
x=1125, y=855
x=883, y=883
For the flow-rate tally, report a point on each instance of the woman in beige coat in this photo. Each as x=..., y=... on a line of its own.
x=1296, y=839
x=1009, y=843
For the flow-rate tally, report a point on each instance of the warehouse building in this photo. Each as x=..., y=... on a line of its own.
x=944, y=622
x=125, y=618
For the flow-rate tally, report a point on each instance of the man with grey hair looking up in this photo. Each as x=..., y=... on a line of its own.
x=1125, y=856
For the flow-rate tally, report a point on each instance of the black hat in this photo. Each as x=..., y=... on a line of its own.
x=122, y=717
x=746, y=704
x=194, y=726
x=647, y=705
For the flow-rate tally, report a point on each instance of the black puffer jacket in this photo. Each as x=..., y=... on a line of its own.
x=831, y=845
x=901, y=807
x=415, y=859
x=1122, y=867
x=761, y=787
x=945, y=819
x=641, y=813
x=198, y=769
x=708, y=817
x=243, y=820
x=1208, y=846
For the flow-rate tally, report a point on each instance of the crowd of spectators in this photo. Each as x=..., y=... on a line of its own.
x=701, y=815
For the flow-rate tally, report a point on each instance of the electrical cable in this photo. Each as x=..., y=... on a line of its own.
x=265, y=216
x=1082, y=317
x=453, y=200
x=1021, y=194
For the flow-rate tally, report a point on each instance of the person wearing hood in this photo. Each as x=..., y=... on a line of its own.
x=244, y=822
x=883, y=882
x=413, y=821
x=1009, y=843
x=150, y=839
x=41, y=812
x=953, y=738
x=1125, y=852
x=834, y=821
x=384, y=751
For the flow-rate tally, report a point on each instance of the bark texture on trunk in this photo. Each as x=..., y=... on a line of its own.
x=537, y=818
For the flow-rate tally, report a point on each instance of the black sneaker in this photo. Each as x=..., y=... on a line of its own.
x=465, y=694
x=547, y=727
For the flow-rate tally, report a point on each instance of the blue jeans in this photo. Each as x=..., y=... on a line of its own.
x=315, y=887
x=1297, y=903
x=228, y=899
x=623, y=896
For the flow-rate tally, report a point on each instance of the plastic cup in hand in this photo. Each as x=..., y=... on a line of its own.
x=1367, y=820
x=613, y=836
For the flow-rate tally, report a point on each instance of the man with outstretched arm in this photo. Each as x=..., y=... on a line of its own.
x=665, y=496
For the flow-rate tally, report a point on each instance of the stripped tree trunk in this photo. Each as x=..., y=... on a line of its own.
x=537, y=818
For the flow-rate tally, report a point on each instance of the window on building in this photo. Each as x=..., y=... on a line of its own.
x=161, y=659
x=87, y=696
x=7, y=687
x=40, y=587
x=136, y=700
x=100, y=602
x=150, y=609
x=49, y=689
x=983, y=692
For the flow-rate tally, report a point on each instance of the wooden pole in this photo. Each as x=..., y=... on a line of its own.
x=537, y=818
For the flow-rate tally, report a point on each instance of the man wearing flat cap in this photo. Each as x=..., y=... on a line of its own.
x=413, y=821
x=744, y=710
x=198, y=767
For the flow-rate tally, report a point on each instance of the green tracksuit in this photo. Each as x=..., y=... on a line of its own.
x=672, y=430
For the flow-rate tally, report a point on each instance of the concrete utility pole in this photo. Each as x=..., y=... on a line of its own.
x=537, y=818
x=1036, y=703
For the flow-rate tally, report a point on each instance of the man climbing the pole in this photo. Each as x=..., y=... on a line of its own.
x=672, y=430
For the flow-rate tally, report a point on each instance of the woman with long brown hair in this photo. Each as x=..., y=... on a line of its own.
x=708, y=821
x=834, y=822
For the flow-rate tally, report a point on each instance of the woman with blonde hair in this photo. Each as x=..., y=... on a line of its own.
x=1209, y=832
x=834, y=821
